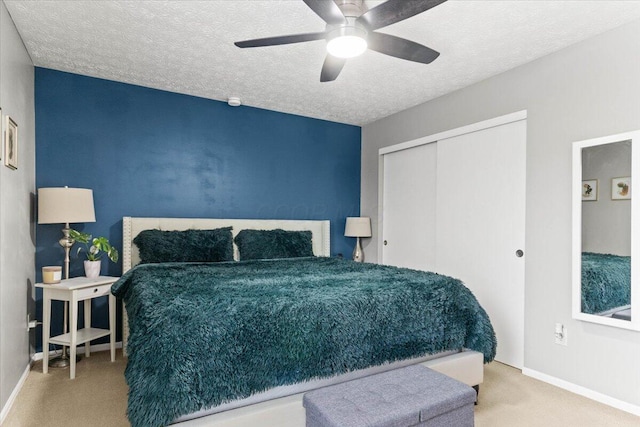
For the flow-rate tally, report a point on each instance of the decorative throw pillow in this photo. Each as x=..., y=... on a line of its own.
x=268, y=244
x=185, y=246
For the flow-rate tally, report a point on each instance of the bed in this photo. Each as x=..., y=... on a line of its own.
x=606, y=284
x=204, y=351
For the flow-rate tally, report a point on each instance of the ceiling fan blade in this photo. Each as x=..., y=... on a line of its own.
x=393, y=11
x=331, y=68
x=400, y=48
x=327, y=10
x=273, y=41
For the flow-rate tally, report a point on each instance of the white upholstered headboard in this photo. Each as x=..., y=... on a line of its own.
x=131, y=226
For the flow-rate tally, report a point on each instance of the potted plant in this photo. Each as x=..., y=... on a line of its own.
x=95, y=247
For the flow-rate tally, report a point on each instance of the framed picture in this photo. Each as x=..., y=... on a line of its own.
x=621, y=188
x=590, y=190
x=11, y=144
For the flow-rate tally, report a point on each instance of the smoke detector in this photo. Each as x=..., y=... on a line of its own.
x=234, y=101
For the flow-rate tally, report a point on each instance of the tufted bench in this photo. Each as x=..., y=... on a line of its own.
x=411, y=396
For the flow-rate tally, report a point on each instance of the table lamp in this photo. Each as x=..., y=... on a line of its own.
x=358, y=227
x=64, y=205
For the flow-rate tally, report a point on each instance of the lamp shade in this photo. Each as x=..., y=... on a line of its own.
x=358, y=227
x=65, y=205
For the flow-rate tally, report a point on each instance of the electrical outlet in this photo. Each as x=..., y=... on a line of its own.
x=561, y=334
x=31, y=323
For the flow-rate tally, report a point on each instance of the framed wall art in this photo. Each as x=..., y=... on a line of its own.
x=11, y=144
x=590, y=190
x=621, y=188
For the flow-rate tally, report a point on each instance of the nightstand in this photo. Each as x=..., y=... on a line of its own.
x=73, y=291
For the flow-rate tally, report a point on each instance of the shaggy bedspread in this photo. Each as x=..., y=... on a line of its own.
x=206, y=334
x=606, y=282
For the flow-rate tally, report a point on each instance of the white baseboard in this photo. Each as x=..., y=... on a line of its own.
x=14, y=394
x=94, y=348
x=583, y=391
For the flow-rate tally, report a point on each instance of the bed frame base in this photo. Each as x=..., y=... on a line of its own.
x=466, y=366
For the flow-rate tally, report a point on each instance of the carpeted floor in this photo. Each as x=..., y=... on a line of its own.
x=98, y=397
x=508, y=398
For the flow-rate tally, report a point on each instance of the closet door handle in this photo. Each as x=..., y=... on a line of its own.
x=384, y=243
x=519, y=253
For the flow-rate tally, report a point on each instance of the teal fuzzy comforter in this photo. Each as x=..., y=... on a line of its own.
x=606, y=282
x=206, y=334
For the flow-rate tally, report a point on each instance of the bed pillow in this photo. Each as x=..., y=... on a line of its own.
x=185, y=246
x=268, y=244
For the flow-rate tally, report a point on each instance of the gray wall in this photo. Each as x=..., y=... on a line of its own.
x=587, y=90
x=606, y=223
x=17, y=241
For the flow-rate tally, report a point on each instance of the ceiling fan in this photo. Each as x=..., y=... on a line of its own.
x=351, y=29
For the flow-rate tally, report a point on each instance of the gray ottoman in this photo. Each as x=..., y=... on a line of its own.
x=411, y=396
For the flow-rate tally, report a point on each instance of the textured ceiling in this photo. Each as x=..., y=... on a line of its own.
x=187, y=47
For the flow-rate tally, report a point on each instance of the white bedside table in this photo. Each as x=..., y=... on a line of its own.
x=75, y=290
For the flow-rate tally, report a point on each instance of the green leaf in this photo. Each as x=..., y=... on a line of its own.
x=79, y=236
x=94, y=247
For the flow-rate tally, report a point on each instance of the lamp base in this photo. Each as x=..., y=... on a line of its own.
x=62, y=361
x=358, y=255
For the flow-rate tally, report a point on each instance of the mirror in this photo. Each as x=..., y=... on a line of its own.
x=604, y=289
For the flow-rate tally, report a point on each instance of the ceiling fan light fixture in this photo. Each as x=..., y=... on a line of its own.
x=347, y=46
x=347, y=42
x=350, y=30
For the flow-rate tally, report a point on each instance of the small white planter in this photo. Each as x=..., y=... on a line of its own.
x=92, y=268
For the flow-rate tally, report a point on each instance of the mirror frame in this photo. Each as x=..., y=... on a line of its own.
x=576, y=200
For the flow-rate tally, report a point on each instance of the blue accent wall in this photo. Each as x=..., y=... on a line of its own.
x=147, y=152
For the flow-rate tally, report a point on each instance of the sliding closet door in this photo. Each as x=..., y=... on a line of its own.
x=480, y=221
x=409, y=208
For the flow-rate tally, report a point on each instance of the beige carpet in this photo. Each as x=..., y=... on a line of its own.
x=508, y=398
x=98, y=397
